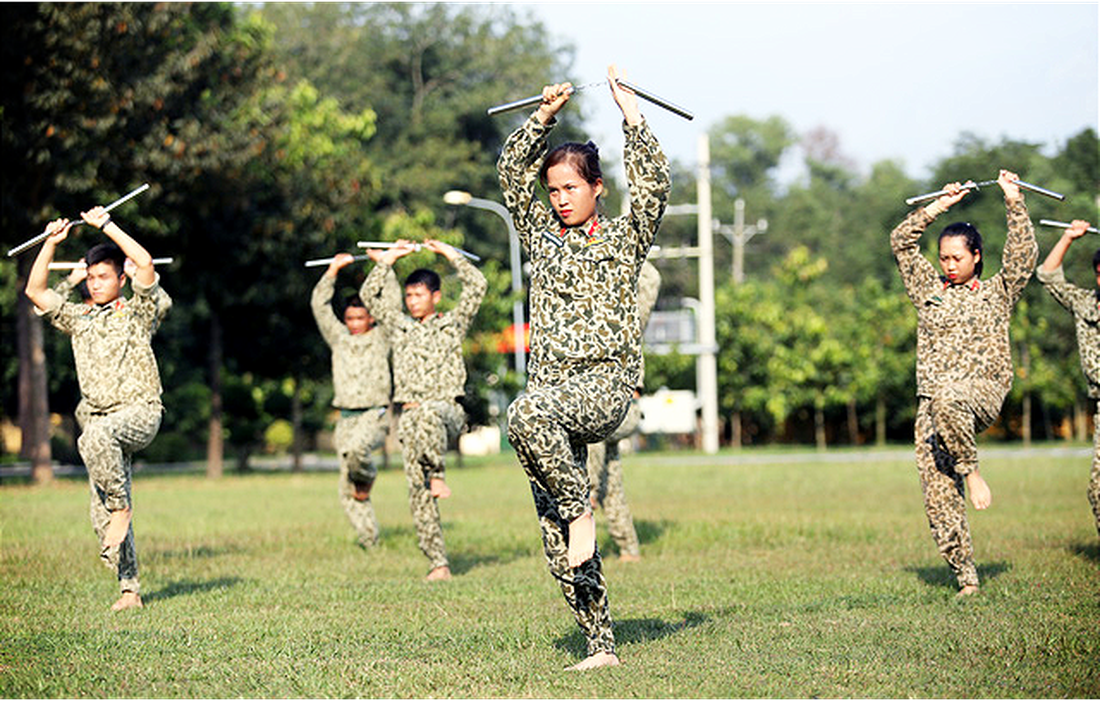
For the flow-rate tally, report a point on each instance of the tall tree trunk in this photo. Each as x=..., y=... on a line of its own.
x=735, y=430
x=853, y=423
x=1080, y=420
x=819, y=424
x=34, y=409
x=880, y=420
x=215, y=448
x=1025, y=364
x=296, y=424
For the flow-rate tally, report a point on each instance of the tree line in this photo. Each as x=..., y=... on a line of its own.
x=279, y=133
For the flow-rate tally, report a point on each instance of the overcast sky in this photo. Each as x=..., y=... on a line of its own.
x=893, y=81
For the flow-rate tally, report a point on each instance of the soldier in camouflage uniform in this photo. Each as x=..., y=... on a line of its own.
x=605, y=465
x=1085, y=307
x=361, y=385
x=585, y=332
x=429, y=379
x=964, y=363
x=120, y=408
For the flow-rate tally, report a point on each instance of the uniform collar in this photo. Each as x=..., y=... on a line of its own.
x=593, y=229
x=974, y=285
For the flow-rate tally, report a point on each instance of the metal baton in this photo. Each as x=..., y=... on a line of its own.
x=1063, y=225
x=971, y=185
x=61, y=265
x=318, y=262
x=76, y=222
x=416, y=247
x=640, y=92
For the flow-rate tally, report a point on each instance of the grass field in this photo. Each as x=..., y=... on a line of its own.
x=763, y=575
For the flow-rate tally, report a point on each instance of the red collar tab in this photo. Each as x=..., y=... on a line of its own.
x=592, y=230
x=974, y=285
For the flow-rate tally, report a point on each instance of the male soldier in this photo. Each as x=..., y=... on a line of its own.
x=605, y=465
x=120, y=408
x=1085, y=307
x=361, y=384
x=429, y=378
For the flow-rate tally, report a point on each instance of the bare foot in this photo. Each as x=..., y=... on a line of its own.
x=968, y=590
x=117, y=528
x=980, y=496
x=600, y=659
x=439, y=574
x=362, y=491
x=439, y=488
x=128, y=600
x=582, y=539
x=629, y=557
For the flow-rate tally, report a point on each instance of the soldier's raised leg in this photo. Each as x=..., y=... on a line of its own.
x=358, y=435
x=121, y=559
x=1094, y=477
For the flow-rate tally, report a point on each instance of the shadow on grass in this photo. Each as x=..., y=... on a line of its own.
x=187, y=587
x=633, y=630
x=941, y=576
x=1089, y=551
x=647, y=531
x=461, y=562
x=201, y=551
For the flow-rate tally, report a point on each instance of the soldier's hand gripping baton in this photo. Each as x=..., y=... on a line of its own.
x=640, y=92
x=1063, y=225
x=971, y=185
x=416, y=247
x=77, y=221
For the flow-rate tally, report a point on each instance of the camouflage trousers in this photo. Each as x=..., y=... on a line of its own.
x=1094, y=477
x=946, y=429
x=550, y=428
x=358, y=434
x=605, y=474
x=107, y=443
x=424, y=432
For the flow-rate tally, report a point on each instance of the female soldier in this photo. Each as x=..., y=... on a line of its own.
x=585, y=332
x=964, y=365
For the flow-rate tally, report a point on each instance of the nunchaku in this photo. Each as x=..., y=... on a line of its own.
x=971, y=185
x=77, y=221
x=640, y=92
x=62, y=265
x=1064, y=225
x=319, y=262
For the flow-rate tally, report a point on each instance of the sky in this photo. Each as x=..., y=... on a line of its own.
x=898, y=81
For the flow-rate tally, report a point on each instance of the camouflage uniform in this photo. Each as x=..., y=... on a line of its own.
x=120, y=408
x=428, y=371
x=361, y=384
x=1085, y=307
x=605, y=465
x=585, y=346
x=964, y=369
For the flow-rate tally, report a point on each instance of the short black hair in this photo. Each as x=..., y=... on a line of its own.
x=108, y=252
x=1096, y=259
x=353, y=300
x=425, y=277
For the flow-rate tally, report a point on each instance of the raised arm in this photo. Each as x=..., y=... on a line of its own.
x=1021, y=250
x=916, y=271
x=473, y=282
x=100, y=218
x=1050, y=273
x=383, y=306
x=320, y=301
x=37, y=289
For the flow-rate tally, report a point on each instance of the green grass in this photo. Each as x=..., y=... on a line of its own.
x=779, y=579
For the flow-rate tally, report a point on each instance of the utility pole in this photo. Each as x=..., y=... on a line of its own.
x=707, y=368
x=739, y=235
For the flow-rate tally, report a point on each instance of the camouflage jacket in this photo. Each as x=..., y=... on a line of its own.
x=427, y=355
x=1085, y=307
x=583, y=295
x=112, y=346
x=360, y=362
x=962, y=330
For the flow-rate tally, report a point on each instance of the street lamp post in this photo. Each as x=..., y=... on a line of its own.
x=460, y=198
